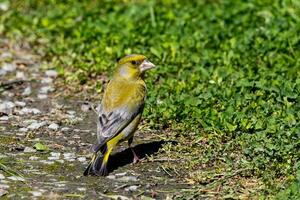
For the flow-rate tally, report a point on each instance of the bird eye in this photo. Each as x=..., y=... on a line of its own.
x=134, y=62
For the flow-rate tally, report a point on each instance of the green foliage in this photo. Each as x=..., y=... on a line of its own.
x=41, y=147
x=292, y=191
x=228, y=71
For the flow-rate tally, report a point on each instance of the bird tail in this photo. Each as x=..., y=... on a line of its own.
x=91, y=168
x=97, y=165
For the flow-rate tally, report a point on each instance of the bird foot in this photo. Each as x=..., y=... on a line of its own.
x=135, y=159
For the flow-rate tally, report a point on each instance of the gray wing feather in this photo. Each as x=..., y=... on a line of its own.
x=110, y=124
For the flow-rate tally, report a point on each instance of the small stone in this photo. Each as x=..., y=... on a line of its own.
x=25, y=111
x=16, y=178
x=47, y=80
x=81, y=189
x=53, y=126
x=60, y=161
x=70, y=116
x=53, y=158
x=36, y=193
x=4, y=118
x=69, y=155
x=132, y=188
x=2, y=72
x=9, y=67
x=20, y=75
x=8, y=94
x=65, y=129
x=71, y=112
x=112, y=177
x=51, y=73
x=42, y=96
x=6, y=55
x=36, y=125
x=47, y=162
x=20, y=103
x=27, y=91
x=33, y=158
x=55, y=154
x=3, y=186
x=121, y=174
x=2, y=176
x=23, y=129
x=128, y=178
x=29, y=150
x=81, y=159
x=46, y=89
x=3, y=192
x=29, y=121
x=7, y=107
x=85, y=107
x=20, y=134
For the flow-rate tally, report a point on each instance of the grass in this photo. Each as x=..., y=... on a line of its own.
x=226, y=87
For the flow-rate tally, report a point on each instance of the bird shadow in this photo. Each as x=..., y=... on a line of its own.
x=125, y=157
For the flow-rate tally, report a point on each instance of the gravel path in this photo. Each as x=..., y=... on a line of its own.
x=46, y=135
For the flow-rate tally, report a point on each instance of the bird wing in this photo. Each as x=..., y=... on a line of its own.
x=121, y=103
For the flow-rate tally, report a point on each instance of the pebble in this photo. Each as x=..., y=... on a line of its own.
x=81, y=189
x=53, y=126
x=121, y=174
x=132, y=188
x=53, y=158
x=85, y=107
x=25, y=111
x=9, y=67
x=47, y=162
x=65, y=129
x=3, y=186
x=2, y=176
x=4, y=118
x=8, y=94
x=27, y=91
x=81, y=159
x=23, y=129
x=55, y=154
x=16, y=178
x=111, y=177
x=7, y=107
x=5, y=55
x=42, y=96
x=60, y=161
x=33, y=158
x=71, y=112
x=128, y=178
x=29, y=150
x=20, y=103
x=36, y=125
x=46, y=89
x=69, y=157
x=51, y=73
x=36, y=193
x=20, y=75
x=3, y=192
x=20, y=134
x=47, y=80
x=2, y=72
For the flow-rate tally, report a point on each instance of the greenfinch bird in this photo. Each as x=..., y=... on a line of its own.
x=120, y=110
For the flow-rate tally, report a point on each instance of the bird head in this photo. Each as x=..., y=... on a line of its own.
x=133, y=66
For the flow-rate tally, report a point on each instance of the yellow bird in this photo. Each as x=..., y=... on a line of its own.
x=120, y=110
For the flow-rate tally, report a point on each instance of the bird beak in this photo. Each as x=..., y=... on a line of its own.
x=146, y=65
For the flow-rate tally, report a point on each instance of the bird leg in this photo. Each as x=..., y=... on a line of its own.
x=136, y=159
